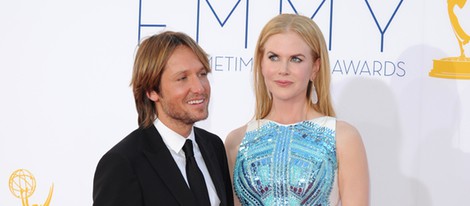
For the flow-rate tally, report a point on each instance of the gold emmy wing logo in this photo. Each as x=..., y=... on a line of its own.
x=22, y=185
x=454, y=67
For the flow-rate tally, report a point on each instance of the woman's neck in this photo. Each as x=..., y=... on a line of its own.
x=291, y=112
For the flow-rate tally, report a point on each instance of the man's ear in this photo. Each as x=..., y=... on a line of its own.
x=152, y=95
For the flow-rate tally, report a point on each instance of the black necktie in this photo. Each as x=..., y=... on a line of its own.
x=194, y=175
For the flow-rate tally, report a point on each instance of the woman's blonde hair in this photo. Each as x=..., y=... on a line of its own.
x=308, y=30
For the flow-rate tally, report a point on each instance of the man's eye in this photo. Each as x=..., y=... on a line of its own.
x=203, y=74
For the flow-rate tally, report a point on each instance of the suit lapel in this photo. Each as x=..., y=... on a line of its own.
x=164, y=165
x=212, y=163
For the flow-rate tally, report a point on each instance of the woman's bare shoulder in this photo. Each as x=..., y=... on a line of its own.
x=346, y=132
x=235, y=137
x=348, y=139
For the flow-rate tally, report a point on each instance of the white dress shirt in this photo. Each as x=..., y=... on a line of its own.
x=175, y=142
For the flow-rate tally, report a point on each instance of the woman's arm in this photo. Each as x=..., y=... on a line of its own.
x=232, y=143
x=353, y=174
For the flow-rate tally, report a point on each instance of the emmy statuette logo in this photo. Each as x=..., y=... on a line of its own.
x=454, y=67
x=23, y=184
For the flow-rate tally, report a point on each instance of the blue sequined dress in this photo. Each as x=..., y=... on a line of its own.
x=291, y=164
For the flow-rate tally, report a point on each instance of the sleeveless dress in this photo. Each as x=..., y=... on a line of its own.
x=291, y=164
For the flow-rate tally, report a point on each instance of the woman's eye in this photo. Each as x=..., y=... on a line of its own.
x=296, y=59
x=273, y=57
x=182, y=78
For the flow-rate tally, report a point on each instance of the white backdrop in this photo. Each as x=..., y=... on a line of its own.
x=65, y=67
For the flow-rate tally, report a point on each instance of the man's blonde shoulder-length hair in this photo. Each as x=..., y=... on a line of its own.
x=150, y=62
x=309, y=31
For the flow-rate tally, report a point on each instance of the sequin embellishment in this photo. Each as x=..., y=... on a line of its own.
x=287, y=164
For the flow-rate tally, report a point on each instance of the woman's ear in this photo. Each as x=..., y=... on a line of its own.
x=152, y=95
x=316, y=68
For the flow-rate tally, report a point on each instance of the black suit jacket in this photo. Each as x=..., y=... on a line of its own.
x=140, y=171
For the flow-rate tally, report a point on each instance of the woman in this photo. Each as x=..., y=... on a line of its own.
x=294, y=152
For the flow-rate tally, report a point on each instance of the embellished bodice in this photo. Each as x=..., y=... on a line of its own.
x=287, y=164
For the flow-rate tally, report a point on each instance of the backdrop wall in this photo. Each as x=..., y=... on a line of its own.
x=65, y=68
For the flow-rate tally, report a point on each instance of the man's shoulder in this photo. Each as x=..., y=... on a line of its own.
x=207, y=136
x=131, y=143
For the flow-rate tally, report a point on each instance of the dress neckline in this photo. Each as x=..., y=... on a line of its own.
x=295, y=123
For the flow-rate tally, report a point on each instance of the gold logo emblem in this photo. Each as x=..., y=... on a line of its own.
x=22, y=185
x=454, y=67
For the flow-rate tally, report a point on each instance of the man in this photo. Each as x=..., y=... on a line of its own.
x=150, y=166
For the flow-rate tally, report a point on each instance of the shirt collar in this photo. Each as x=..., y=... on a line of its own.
x=173, y=140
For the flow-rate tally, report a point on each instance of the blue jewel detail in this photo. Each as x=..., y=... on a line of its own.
x=287, y=164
